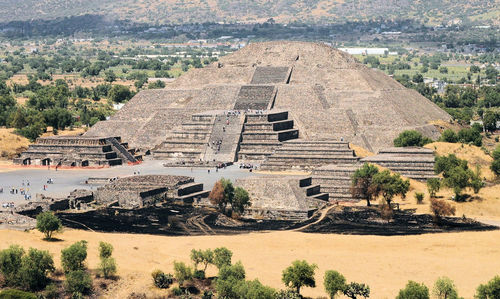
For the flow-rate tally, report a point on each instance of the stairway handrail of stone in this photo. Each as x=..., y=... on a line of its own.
x=121, y=149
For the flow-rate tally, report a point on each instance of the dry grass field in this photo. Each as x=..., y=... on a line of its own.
x=10, y=143
x=384, y=263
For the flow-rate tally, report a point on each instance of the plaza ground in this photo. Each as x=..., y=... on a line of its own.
x=384, y=263
x=67, y=180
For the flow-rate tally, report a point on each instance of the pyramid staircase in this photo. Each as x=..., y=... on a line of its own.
x=263, y=133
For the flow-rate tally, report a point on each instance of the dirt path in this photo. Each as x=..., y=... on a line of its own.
x=324, y=212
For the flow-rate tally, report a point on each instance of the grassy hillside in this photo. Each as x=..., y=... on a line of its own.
x=182, y=11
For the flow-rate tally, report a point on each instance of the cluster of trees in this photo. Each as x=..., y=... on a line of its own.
x=229, y=200
x=467, y=135
x=55, y=105
x=30, y=271
x=231, y=282
x=457, y=175
x=368, y=183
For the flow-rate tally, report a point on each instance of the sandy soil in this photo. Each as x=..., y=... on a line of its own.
x=384, y=263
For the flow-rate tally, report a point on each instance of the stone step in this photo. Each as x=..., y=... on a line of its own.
x=321, y=196
x=279, y=135
x=312, y=190
x=189, y=198
x=338, y=181
x=189, y=189
x=269, y=126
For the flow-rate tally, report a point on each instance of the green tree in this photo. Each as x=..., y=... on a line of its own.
x=109, y=76
x=222, y=257
x=414, y=290
x=433, y=186
x=73, y=257
x=107, y=267
x=182, y=272
x=35, y=267
x=254, y=290
x=156, y=85
x=490, y=290
x=353, y=290
x=362, y=180
x=120, y=93
x=105, y=250
x=204, y=257
x=78, y=281
x=241, y=200
x=411, y=138
x=444, y=288
x=10, y=264
x=48, y=223
x=299, y=274
x=228, y=280
x=449, y=135
x=390, y=185
x=334, y=283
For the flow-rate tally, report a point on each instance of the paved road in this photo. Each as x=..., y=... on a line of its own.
x=67, y=180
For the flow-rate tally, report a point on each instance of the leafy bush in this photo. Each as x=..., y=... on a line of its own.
x=440, y=208
x=35, y=267
x=490, y=290
x=449, y=135
x=287, y=294
x=10, y=264
x=419, y=196
x=222, y=257
x=48, y=223
x=414, y=290
x=105, y=250
x=182, y=272
x=177, y=291
x=199, y=274
x=107, y=267
x=16, y=294
x=230, y=276
x=433, y=186
x=162, y=280
x=411, y=138
x=73, y=257
x=78, y=281
x=353, y=290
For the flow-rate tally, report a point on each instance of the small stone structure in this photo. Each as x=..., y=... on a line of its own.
x=282, y=198
x=145, y=190
x=308, y=154
x=412, y=162
x=78, y=151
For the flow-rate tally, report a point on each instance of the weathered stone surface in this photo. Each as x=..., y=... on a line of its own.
x=327, y=93
x=77, y=151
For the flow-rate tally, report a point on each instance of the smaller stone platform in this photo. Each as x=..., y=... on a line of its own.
x=413, y=162
x=145, y=190
x=282, y=198
x=78, y=151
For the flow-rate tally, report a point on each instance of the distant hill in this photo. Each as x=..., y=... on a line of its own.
x=190, y=11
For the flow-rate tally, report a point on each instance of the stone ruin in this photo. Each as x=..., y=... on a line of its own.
x=277, y=91
x=412, y=162
x=282, y=198
x=141, y=191
x=78, y=151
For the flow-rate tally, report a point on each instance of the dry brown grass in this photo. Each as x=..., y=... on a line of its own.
x=384, y=263
x=360, y=151
x=473, y=154
x=11, y=144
